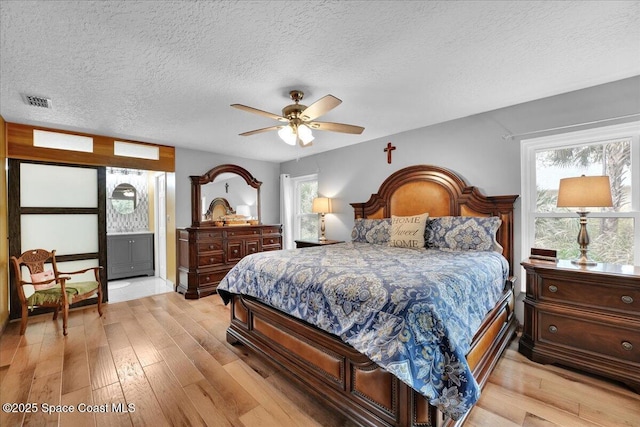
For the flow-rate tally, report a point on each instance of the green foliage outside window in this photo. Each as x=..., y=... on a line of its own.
x=307, y=191
x=611, y=238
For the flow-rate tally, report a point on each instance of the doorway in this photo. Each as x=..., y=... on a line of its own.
x=136, y=234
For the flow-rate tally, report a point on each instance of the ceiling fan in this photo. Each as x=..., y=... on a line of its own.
x=300, y=119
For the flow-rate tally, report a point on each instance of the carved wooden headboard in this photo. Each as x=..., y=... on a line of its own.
x=440, y=192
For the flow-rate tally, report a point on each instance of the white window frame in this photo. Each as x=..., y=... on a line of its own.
x=297, y=215
x=529, y=148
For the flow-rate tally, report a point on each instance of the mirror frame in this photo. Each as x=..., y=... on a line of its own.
x=136, y=198
x=198, y=181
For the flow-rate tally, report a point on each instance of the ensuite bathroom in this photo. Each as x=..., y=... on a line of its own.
x=136, y=264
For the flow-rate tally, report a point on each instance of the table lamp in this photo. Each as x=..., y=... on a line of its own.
x=321, y=205
x=582, y=192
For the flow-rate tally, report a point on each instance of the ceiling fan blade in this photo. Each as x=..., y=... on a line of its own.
x=259, y=112
x=320, y=107
x=253, y=132
x=336, y=127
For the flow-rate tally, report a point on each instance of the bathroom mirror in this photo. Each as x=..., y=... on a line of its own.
x=124, y=199
x=231, y=182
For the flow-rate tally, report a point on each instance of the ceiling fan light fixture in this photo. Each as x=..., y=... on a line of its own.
x=305, y=135
x=287, y=134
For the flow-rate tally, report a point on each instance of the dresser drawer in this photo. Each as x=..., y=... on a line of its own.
x=271, y=230
x=210, y=259
x=211, y=278
x=270, y=241
x=211, y=246
x=588, y=335
x=208, y=235
x=604, y=296
x=239, y=231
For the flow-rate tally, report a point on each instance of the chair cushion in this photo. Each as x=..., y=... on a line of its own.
x=54, y=294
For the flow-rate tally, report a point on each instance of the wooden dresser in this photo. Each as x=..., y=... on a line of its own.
x=584, y=317
x=206, y=254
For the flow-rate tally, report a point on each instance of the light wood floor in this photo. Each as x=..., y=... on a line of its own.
x=168, y=358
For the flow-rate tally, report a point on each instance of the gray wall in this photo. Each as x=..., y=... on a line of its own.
x=473, y=147
x=193, y=162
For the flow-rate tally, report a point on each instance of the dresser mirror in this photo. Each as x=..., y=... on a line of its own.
x=124, y=199
x=230, y=182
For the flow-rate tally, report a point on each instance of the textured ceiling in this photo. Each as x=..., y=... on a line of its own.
x=166, y=72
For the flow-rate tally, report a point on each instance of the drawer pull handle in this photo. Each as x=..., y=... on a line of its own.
x=627, y=345
x=207, y=279
x=627, y=299
x=553, y=288
x=235, y=251
x=553, y=329
x=211, y=260
x=210, y=246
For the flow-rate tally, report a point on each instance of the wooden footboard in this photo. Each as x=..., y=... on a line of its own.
x=346, y=379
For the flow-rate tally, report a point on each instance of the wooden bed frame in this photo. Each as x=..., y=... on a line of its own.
x=348, y=380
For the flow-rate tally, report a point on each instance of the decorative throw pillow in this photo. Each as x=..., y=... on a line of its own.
x=43, y=277
x=408, y=231
x=374, y=231
x=461, y=233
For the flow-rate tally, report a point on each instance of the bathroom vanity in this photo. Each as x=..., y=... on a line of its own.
x=129, y=254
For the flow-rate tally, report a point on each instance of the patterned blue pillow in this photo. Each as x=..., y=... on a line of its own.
x=462, y=233
x=374, y=231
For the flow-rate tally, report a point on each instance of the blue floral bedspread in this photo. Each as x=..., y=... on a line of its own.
x=413, y=312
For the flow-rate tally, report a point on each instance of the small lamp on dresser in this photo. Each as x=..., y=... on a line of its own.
x=321, y=205
x=582, y=192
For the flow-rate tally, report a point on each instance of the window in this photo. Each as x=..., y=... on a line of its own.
x=614, y=232
x=305, y=189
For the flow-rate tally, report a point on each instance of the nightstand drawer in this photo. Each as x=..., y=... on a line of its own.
x=595, y=337
x=604, y=296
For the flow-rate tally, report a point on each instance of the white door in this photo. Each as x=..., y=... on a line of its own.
x=58, y=208
x=161, y=225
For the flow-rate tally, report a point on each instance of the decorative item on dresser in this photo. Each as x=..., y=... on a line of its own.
x=311, y=243
x=584, y=317
x=208, y=249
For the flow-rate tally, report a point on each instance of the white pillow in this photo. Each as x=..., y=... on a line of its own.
x=408, y=231
x=42, y=277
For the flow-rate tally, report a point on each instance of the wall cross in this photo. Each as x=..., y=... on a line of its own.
x=388, y=150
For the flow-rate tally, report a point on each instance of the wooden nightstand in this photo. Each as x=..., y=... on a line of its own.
x=584, y=317
x=310, y=243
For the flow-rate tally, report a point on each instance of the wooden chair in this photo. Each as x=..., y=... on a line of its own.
x=60, y=293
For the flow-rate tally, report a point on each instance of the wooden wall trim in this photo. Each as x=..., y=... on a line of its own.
x=19, y=139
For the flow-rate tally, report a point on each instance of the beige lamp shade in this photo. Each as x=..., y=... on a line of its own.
x=584, y=191
x=321, y=205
